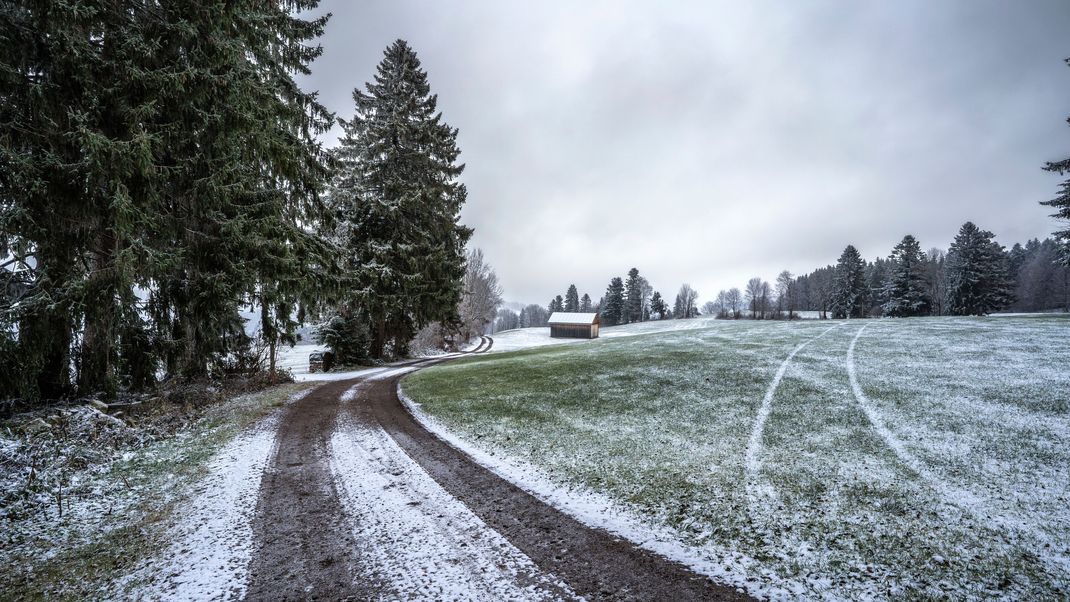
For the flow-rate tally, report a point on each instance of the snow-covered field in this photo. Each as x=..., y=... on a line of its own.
x=527, y=338
x=921, y=458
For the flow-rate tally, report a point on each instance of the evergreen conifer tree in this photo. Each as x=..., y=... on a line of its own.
x=849, y=288
x=977, y=280
x=398, y=201
x=1061, y=203
x=678, y=308
x=557, y=304
x=244, y=197
x=585, y=303
x=877, y=274
x=572, y=299
x=167, y=149
x=633, y=303
x=907, y=289
x=613, y=306
x=658, y=306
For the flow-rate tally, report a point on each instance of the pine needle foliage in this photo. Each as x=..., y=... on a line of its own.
x=397, y=200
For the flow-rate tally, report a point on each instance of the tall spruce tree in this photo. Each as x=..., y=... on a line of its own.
x=613, y=306
x=849, y=288
x=247, y=177
x=1061, y=203
x=585, y=303
x=69, y=150
x=907, y=289
x=398, y=202
x=572, y=299
x=633, y=303
x=159, y=147
x=977, y=280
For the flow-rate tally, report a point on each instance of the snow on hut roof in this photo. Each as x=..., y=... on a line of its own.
x=562, y=317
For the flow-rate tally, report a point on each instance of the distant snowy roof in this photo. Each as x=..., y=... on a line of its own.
x=561, y=317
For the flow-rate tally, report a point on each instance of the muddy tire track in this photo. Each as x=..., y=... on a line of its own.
x=303, y=549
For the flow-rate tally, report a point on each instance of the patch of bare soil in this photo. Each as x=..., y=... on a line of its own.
x=302, y=545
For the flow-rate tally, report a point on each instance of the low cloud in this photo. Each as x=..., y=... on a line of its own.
x=710, y=142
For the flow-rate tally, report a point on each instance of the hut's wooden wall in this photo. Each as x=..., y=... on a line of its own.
x=574, y=331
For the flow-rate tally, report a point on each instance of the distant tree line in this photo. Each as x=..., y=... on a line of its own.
x=976, y=276
x=626, y=301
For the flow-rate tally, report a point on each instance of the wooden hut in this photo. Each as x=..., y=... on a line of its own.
x=565, y=325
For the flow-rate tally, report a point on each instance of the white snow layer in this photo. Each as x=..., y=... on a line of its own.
x=417, y=540
x=524, y=338
x=1030, y=536
x=212, y=541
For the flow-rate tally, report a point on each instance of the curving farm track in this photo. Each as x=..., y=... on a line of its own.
x=359, y=501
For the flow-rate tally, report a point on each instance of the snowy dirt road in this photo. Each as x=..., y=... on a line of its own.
x=358, y=501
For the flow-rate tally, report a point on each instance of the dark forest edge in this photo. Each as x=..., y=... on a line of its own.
x=160, y=174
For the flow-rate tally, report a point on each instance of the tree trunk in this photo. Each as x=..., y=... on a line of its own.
x=271, y=353
x=378, y=339
x=96, y=368
x=47, y=336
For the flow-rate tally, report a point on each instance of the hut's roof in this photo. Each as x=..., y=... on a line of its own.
x=562, y=317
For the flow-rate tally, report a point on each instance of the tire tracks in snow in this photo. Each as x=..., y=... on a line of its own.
x=752, y=462
x=419, y=541
x=980, y=509
x=212, y=542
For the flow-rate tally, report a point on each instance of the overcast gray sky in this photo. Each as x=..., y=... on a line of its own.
x=708, y=142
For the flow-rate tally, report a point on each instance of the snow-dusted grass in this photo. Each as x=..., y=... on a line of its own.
x=935, y=463
x=529, y=338
x=118, y=517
